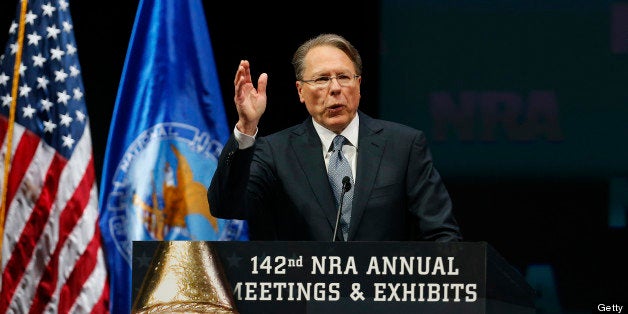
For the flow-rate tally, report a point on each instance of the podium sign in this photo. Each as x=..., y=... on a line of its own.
x=362, y=277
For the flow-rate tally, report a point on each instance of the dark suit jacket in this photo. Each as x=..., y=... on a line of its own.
x=280, y=185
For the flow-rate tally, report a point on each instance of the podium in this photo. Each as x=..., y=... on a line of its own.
x=337, y=277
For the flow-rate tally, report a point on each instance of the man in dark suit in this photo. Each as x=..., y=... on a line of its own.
x=375, y=182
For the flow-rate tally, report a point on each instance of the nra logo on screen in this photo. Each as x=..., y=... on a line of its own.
x=491, y=116
x=619, y=28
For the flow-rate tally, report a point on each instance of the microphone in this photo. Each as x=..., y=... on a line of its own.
x=346, y=186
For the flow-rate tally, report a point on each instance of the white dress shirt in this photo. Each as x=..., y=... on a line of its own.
x=349, y=151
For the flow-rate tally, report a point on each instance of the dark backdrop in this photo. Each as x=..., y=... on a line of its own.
x=555, y=223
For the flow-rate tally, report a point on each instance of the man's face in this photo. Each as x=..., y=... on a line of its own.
x=333, y=106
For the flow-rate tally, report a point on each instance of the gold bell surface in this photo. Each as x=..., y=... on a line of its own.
x=185, y=277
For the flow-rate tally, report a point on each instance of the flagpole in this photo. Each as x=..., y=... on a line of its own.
x=14, y=87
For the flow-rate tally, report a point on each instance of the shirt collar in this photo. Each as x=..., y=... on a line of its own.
x=350, y=132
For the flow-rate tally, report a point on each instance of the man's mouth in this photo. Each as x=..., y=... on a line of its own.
x=335, y=108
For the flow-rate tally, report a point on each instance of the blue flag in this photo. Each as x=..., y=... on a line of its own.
x=167, y=131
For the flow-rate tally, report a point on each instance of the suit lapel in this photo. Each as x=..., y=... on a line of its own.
x=370, y=150
x=307, y=149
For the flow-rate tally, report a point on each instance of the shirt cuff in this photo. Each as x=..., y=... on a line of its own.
x=244, y=140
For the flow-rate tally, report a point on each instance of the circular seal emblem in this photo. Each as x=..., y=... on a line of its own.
x=160, y=189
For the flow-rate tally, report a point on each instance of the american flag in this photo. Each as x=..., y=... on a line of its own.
x=52, y=256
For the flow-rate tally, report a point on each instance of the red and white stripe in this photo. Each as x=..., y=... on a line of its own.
x=52, y=256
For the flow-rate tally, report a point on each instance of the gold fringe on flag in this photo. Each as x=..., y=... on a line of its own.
x=9, y=136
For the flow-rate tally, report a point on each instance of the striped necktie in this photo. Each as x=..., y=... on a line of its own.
x=338, y=169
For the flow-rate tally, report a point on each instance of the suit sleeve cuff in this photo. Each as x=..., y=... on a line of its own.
x=244, y=141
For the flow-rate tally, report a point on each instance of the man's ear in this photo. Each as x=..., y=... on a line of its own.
x=300, y=91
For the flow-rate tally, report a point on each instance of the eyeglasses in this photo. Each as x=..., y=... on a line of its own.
x=344, y=80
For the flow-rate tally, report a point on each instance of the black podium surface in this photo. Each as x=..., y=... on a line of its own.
x=360, y=277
